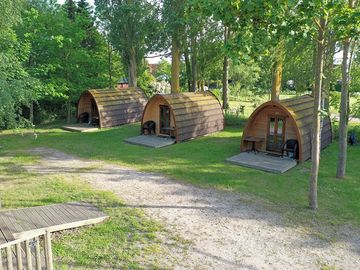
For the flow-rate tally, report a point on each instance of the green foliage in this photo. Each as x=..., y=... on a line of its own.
x=235, y=118
x=245, y=78
x=17, y=87
x=144, y=82
x=163, y=71
x=66, y=53
x=132, y=26
x=299, y=64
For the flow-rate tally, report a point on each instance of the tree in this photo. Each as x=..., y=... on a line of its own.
x=134, y=30
x=225, y=78
x=67, y=55
x=17, y=87
x=316, y=134
x=348, y=36
x=173, y=18
x=279, y=52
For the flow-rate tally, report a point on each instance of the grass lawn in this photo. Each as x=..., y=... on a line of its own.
x=201, y=162
x=127, y=240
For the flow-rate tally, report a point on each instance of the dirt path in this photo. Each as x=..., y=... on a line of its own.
x=224, y=230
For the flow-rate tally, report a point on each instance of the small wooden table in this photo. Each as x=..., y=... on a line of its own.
x=253, y=140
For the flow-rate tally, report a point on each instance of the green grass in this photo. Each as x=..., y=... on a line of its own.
x=201, y=162
x=127, y=240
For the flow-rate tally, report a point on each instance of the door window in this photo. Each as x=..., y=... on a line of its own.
x=164, y=120
x=275, y=134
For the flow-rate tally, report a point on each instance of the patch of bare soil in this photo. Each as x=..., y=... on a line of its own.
x=214, y=229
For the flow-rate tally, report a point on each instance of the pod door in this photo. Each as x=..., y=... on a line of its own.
x=275, y=134
x=165, y=128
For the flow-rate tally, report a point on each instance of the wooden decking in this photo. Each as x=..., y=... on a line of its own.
x=26, y=222
x=152, y=141
x=80, y=128
x=263, y=161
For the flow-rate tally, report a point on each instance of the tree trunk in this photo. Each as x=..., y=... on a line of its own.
x=225, y=78
x=202, y=85
x=175, y=66
x=68, y=111
x=343, y=126
x=314, y=68
x=277, y=70
x=316, y=135
x=110, y=64
x=188, y=68
x=344, y=107
x=31, y=112
x=328, y=70
x=132, y=68
x=193, y=62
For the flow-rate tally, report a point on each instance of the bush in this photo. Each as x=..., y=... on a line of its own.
x=217, y=93
x=232, y=119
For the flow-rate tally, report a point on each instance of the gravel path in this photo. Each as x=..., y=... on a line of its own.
x=222, y=230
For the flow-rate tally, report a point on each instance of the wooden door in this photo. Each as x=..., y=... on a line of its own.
x=165, y=120
x=275, y=134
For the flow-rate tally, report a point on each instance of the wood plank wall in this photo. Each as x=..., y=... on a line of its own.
x=299, y=120
x=115, y=107
x=196, y=114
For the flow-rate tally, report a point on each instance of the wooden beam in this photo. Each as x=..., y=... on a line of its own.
x=19, y=257
x=9, y=260
x=28, y=255
x=48, y=251
x=37, y=253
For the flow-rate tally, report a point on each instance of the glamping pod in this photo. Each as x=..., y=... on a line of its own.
x=274, y=124
x=184, y=115
x=111, y=107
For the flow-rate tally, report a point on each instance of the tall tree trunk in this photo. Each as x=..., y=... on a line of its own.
x=343, y=126
x=175, y=66
x=110, y=64
x=31, y=112
x=193, y=62
x=187, y=67
x=132, y=68
x=316, y=135
x=314, y=68
x=225, y=79
x=202, y=85
x=328, y=70
x=68, y=106
x=344, y=106
x=277, y=70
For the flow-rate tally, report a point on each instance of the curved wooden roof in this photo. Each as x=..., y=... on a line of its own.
x=194, y=114
x=116, y=107
x=300, y=110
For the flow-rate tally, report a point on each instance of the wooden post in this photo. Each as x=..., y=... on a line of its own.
x=9, y=260
x=28, y=255
x=48, y=251
x=19, y=257
x=37, y=253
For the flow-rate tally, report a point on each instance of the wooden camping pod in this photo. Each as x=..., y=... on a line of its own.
x=294, y=116
x=190, y=114
x=113, y=107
